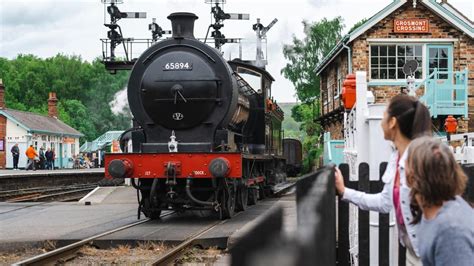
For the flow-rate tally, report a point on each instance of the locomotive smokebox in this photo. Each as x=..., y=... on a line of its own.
x=182, y=24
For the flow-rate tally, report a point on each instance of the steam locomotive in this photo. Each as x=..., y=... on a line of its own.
x=203, y=138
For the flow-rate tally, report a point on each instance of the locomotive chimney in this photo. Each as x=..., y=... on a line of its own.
x=182, y=24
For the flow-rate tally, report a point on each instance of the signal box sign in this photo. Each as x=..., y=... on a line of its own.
x=411, y=26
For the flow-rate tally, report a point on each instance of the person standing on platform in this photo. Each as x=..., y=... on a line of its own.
x=53, y=156
x=49, y=158
x=42, y=159
x=31, y=154
x=16, y=156
x=446, y=220
x=405, y=119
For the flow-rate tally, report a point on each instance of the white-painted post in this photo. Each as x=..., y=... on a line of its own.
x=361, y=142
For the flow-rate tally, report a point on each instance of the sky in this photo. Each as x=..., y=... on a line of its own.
x=75, y=27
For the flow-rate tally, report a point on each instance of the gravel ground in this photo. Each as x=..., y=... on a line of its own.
x=143, y=254
x=122, y=255
x=201, y=257
x=8, y=258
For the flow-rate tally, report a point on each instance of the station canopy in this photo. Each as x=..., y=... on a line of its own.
x=101, y=142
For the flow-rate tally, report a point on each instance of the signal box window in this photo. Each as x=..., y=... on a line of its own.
x=439, y=59
x=387, y=61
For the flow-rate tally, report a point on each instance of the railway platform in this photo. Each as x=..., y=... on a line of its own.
x=32, y=224
x=6, y=173
x=21, y=179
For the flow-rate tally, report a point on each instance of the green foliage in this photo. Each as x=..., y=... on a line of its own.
x=84, y=90
x=303, y=57
x=358, y=24
x=75, y=114
x=290, y=126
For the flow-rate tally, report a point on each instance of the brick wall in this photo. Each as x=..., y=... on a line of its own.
x=329, y=82
x=466, y=59
x=463, y=52
x=3, y=133
x=336, y=130
x=463, y=49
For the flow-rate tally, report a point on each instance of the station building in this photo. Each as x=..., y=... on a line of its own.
x=26, y=128
x=435, y=34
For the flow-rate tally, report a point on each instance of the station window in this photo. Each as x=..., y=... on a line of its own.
x=335, y=91
x=328, y=95
x=338, y=83
x=439, y=59
x=387, y=61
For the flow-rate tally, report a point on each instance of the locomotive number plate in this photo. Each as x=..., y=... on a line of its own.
x=175, y=66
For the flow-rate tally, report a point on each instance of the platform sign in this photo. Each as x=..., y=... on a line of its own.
x=69, y=140
x=411, y=26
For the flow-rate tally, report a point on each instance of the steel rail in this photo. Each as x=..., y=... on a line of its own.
x=285, y=189
x=59, y=253
x=27, y=191
x=36, y=197
x=46, y=187
x=174, y=253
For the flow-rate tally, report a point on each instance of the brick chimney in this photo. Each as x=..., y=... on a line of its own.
x=2, y=95
x=52, y=105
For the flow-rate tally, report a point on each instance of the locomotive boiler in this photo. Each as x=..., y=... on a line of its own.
x=203, y=138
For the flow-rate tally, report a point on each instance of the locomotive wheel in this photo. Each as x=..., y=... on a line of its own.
x=253, y=196
x=227, y=201
x=242, y=198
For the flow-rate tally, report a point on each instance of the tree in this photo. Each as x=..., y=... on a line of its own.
x=75, y=114
x=84, y=90
x=303, y=57
x=358, y=24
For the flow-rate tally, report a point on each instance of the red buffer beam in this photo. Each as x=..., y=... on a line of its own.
x=155, y=165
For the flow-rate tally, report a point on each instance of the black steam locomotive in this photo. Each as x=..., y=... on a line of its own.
x=203, y=137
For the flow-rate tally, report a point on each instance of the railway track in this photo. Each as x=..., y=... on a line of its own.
x=169, y=257
x=176, y=252
x=284, y=188
x=67, y=252
x=46, y=193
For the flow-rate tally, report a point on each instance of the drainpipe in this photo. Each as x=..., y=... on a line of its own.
x=349, y=58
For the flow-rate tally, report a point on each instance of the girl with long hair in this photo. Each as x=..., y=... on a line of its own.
x=446, y=221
